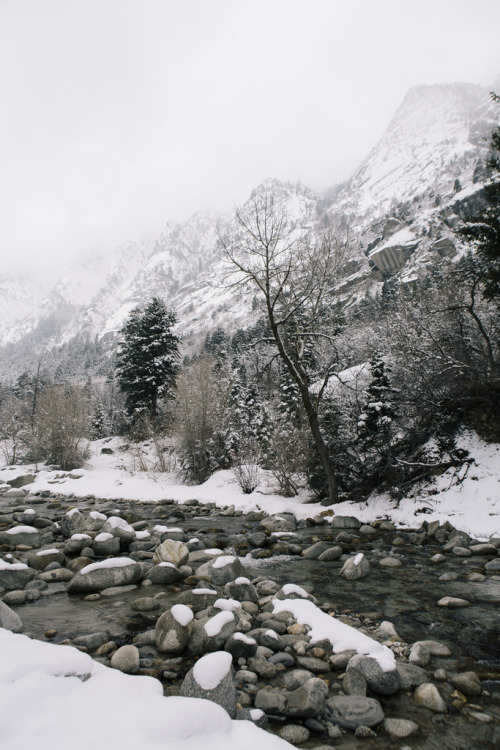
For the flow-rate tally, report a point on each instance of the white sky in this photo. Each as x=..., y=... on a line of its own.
x=117, y=115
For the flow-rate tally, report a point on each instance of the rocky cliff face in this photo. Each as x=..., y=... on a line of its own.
x=399, y=211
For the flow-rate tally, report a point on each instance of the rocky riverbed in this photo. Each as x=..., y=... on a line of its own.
x=326, y=631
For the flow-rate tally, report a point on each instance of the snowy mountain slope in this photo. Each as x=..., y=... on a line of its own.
x=399, y=212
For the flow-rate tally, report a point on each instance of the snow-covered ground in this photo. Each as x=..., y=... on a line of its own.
x=53, y=697
x=469, y=499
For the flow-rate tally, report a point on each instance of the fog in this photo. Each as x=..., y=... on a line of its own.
x=119, y=115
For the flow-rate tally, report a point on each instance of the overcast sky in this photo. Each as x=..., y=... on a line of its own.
x=117, y=115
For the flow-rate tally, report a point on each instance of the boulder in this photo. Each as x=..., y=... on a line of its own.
x=171, y=551
x=211, y=633
x=355, y=567
x=25, y=535
x=116, y=571
x=378, y=681
x=173, y=629
x=15, y=576
x=221, y=570
x=212, y=679
x=308, y=700
x=164, y=573
x=428, y=696
x=118, y=527
x=106, y=544
x=126, y=659
x=41, y=559
x=345, y=522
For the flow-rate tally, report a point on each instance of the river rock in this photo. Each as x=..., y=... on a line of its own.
x=118, y=527
x=106, y=544
x=40, y=560
x=352, y=711
x=411, y=676
x=241, y=589
x=308, y=700
x=222, y=570
x=73, y=522
x=344, y=522
x=76, y=543
x=295, y=734
x=378, y=681
x=467, y=682
x=21, y=481
x=164, y=574
x=15, y=575
x=116, y=571
x=210, y=633
x=428, y=696
x=435, y=648
x=400, y=728
x=271, y=701
x=483, y=549
x=198, y=599
x=419, y=655
x=211, y=678
x=24, y=535
x=390, y=562
x=453, y=602
x=332, y=553
x=241, y=646
x=126, y=659
x=282, y=522
x=315, y=550
x=173, y=629
x=355, y=567
x=171, y=551
x=9, y=619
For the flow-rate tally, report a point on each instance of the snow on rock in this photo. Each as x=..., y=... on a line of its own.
x=292, y=588
x=182, y=614
x=215, y=624
x=341, y=636
x=60, y=685
x=211, y=669
x=112, y=562
x=221, y=562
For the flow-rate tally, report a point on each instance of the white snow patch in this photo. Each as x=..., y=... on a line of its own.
x=11, y=566
x=111, y=562
x=216, y=623
x=358, y=558
x=210, y=670
x=244, y=638
x=115, y=522
x=228, y=605
x=221, y=562
x=96, y=516
x=341, y=636
x=242, y=581
x=103, y=537
x=292, y=588
x=182, y=614
x=43, y=552
x=80, y=537
x=22, y=530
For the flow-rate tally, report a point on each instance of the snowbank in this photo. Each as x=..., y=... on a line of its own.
x=471, y=502
x=55, y=696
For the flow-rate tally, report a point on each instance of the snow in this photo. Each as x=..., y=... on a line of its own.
x=210, y=670
x=227, y=604
x=244, y=639
x=358, y=558
x=241, y=581
x=292, y=588
x=80, y=537
x=470, y=503
x=115, y=522
x=111, y=562
x=216, y=623
x=11, y=566
x=22, y=530
x=47, y=552
x=182, y=614
x=103, y=537
x=63, y=689
x=341, y=636
x=142, y=535
x=96, y=516
x=224, y=560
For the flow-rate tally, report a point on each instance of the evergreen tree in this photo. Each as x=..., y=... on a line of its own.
x=378, y=410
x=147, y=362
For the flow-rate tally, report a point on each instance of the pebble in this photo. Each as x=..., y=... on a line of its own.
x=428, y=696
x=453, y=602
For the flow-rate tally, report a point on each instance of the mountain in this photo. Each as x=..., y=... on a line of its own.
x=399, y=211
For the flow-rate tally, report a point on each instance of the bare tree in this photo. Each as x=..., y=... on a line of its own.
x=296, y=278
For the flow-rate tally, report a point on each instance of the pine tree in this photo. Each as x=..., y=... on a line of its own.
x=378, y=410
x=147, y=361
